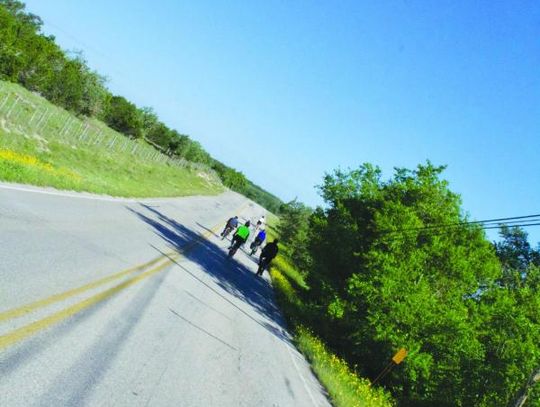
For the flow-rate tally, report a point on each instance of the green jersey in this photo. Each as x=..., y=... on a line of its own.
x=243, y=232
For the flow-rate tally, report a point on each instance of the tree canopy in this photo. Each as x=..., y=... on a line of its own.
x=381, y=278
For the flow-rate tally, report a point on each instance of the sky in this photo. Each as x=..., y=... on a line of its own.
x=287, y=91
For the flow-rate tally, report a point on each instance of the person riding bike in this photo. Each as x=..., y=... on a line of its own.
x=260, y=223
x=231, y=224
x=259, y=239
x=268, y=254
x=239, y=238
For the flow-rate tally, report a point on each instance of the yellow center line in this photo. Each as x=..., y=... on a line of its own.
x=25, y=309
x=30, y=329
x=21, y=333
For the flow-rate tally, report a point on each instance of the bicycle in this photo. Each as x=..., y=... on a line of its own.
x=226, y=232
x=234, y=248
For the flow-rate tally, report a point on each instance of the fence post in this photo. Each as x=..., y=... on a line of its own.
x=82, y=129
x=5, y=101
x=12, y=107
x=124, y=144
x=66, y=124
x=98, y=137
x=111, y=144
x=77, y=132
x=18, y=114
x=67, y=134
x=48, y=119
x=33, y=117
x=38, y=125
x=95, y=140
x=85, y=132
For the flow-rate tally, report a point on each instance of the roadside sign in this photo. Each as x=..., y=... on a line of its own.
x=399, y=356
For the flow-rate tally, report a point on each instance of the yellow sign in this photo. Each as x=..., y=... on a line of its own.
x=399, y=356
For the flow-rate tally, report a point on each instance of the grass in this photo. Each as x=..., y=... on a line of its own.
x=41, y=144
x=271, y=222
x=345, y=387
x=281, y=261
x=290, y=272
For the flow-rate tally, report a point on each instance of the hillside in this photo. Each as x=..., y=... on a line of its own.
x=35, y=61
x=42, y=144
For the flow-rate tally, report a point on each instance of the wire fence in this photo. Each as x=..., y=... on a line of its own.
x=30, y=117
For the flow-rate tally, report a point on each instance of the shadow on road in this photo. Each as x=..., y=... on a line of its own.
x=229, y=274
x=251, y=296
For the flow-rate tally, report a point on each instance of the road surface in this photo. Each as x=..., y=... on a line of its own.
x=110, y=302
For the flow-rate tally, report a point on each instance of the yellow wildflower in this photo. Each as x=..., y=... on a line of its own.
x=31, y=161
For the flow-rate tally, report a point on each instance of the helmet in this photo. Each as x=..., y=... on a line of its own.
x=248, y=223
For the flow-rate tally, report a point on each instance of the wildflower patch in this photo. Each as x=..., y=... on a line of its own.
x=31, y=162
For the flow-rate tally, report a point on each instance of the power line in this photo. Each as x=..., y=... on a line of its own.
x=522, y=221
x=516, y=225
x=445, y=228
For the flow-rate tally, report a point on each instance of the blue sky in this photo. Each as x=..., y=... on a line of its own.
x=285, y=91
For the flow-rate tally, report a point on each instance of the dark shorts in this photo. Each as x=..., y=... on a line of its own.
x=264, y=262
x=239, y=239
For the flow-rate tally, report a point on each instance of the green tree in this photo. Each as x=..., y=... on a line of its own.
x=234, y=179
x=36, y=62
x=197, y=153
x=95, y=96
x=161, y=135
x=516, y=255
x=149, y=119
x=124, y=117
x=509, y=330
x=386, y=281
x=18, y=32
x=180, y=144
x=293, y=231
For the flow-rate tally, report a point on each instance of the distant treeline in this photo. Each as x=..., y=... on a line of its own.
x=35, y=61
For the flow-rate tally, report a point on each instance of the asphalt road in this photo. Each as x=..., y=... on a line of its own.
x=107, y=302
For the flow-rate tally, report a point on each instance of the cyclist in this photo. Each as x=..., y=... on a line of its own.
x=259, y=239
x=260, y=223
x=231, y=224
x=240, y=237
x=268, y=254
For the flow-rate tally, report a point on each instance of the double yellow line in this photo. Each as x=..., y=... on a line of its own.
x=25, y=309
x=159, y=263
x=30, y=329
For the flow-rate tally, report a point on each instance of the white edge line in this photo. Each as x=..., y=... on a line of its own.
x=306, y=386
x=73, y=194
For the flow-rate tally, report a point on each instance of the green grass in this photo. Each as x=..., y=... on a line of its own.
x=345, y=387
x=271, y=222
x=41, y=144
x=290, y=272
x=281, y=261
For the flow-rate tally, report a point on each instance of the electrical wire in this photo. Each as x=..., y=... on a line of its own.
x=445, y=228
x=527, y=220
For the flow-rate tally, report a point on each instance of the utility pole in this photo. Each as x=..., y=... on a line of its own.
x=523, y=394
